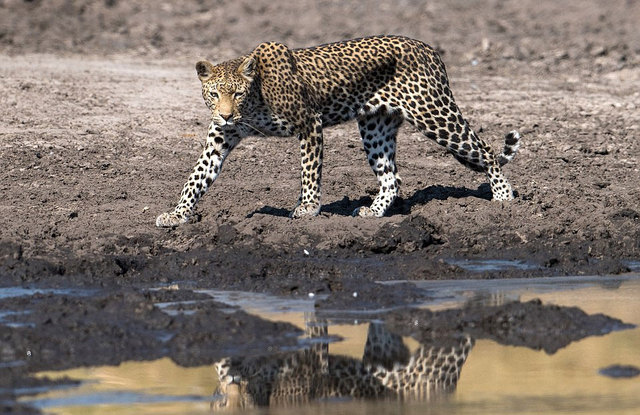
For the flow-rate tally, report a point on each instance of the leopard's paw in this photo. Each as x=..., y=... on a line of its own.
x=305, y=209
x=502, y=197
x=168, y=220
x=502, y=193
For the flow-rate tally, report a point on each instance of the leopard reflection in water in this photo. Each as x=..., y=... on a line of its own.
x=387, y=370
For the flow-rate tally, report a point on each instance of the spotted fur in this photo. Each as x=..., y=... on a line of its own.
x=387, y=370
x=381, y=81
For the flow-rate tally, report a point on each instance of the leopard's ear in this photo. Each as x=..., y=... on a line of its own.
x=204, y=70
x=247, y=68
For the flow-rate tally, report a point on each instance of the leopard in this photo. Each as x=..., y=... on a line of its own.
x=380, y=81
x=386, y=370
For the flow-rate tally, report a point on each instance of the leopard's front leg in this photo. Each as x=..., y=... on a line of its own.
x=220, y=141
x=311, y=169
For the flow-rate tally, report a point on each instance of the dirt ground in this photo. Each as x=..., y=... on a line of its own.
x=102, y=121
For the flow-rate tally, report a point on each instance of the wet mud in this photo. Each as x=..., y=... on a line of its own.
x=103, y=120
x=390, y=369
x=530, y=324
x=99, y=136
x=57, y=331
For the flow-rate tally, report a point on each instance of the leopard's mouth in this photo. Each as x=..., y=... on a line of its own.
x=227, y=122
x=224, y=123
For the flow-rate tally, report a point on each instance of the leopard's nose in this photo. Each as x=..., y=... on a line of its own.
x=233, y=379
x=226, y=117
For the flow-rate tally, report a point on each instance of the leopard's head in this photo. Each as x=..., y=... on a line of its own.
x=231, y=397
x=226, y=88
x=231, y=393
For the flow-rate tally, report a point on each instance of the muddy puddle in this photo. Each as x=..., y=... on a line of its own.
x=473, y=347
x=488, y=265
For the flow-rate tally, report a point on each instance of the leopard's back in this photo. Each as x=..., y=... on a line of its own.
x=346, y=76
x=387, y=370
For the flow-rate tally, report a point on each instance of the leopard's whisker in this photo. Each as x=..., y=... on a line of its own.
x=252, y=127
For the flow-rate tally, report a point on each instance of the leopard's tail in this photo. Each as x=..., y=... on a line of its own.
x=511, y=145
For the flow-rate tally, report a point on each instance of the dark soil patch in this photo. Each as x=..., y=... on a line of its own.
x=102, y=121
x=530, y=324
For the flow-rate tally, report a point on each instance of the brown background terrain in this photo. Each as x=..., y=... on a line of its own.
x=102, y=120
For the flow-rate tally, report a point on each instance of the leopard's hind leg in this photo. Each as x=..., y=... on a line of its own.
x=433, y=111
x=378, y=131
x=448, y=128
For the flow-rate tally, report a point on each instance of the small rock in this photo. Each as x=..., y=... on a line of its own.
x=620, y=371
x=598, y=51
x=486, y=44
x=17, y=255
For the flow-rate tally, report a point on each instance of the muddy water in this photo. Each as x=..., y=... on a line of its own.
x=495, y=378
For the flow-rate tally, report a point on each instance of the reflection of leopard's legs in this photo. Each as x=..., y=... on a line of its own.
x=318, y=351
x=430, y=369
x=387, y=369
x=384, y=348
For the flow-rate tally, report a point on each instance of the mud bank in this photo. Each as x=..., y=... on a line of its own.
x=54, y=331
x=97, y=140
x=103, y=120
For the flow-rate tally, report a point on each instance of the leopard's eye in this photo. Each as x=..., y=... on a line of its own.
x=214, y=95
x=238, y=94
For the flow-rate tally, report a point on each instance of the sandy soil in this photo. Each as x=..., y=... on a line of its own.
x=102, y=120
x=99, y=134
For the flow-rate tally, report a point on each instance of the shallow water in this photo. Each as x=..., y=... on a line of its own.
x=486, y=265
x=495, y=379
x=9, y=292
